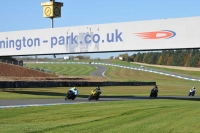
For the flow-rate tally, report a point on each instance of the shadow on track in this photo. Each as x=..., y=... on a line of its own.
x=128, y=97
x=39, y=93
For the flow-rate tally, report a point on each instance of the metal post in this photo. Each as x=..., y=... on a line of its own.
x=51, y=22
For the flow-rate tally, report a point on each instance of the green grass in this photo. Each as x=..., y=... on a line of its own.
x=144, y=116
x=136, y=116
x=67, y=69
x=81, y=60
x=124, y=63
x=169, y=70
x=122, y=74
x=177, y=71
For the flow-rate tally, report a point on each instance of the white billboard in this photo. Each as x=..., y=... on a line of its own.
x=127, y=36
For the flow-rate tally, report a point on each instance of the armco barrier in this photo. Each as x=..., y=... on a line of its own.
x=37, y=84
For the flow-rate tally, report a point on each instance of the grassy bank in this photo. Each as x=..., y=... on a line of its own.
x=71, y=70
x=147, y=116
x=67, y=69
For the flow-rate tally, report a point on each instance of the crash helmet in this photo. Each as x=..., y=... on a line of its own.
x=98, y=88
x=74, y=88
x=155, y=86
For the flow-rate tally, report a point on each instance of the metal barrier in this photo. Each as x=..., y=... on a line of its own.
x=38, y=84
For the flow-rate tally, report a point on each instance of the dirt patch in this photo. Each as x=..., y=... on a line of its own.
x=10, y=70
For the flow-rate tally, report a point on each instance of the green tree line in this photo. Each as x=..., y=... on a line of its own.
x=187, y=58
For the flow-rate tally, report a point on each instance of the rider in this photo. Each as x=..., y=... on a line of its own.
x=193, y=90
x=155, y=90
x=98, y=90
x=74, y=90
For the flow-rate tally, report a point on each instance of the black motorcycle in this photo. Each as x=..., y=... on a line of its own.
x=70, y=95
x=154, y=94
x=191, y=93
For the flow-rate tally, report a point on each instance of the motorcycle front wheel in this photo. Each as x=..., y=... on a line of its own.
x=89, y=98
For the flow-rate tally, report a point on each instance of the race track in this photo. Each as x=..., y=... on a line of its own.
x=100, y=70
x=49, y=102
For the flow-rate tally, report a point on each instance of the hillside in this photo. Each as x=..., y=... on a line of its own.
x=9, y=70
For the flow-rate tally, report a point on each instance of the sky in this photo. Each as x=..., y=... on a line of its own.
x=18, y=15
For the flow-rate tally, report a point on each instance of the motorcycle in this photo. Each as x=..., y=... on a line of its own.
x=70, y=95
x=153, y=93
x=94, y=95
x=191, y=93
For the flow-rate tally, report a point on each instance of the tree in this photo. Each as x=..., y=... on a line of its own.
x=80, y=57
x=194, y=52
x=194, y=60
x=177, y=58
x=125, y=56
x=145, y=58
x=111, y=57
x=133, y=57
x=138, y=57
x=159, y=60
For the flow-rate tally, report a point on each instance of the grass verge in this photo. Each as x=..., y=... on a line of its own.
x=146, y=116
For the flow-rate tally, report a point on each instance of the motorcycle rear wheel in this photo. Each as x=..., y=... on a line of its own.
x=97, y=98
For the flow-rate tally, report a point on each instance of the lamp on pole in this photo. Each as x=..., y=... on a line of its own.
x=52, y=10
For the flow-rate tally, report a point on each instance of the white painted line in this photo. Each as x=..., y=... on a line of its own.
x=103, y=74
x=36, y=105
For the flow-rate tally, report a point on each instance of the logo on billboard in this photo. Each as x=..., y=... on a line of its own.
x=164, y=34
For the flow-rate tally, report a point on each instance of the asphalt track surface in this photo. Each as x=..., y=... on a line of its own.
x=100, y=70
x=49, y=102
x=54, y=101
